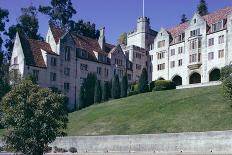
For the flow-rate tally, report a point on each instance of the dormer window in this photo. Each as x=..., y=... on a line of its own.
x=195, y=21
x=217, y=26
x=195, y=33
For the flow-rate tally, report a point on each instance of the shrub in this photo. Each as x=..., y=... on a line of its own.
x=124, y=86
x=135, y=87
x=59, y=150
x=164, y=85
x=106, y=91
x=48, y=149
x=133, y=93
x=152, y=85
x=116, y=90
x=98, y=92
x=227, y=87
x=72, y=150
x=143, y=82
x=226, y=72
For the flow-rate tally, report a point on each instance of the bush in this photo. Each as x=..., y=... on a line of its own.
x=135, y=87
x=72, y=150
x=143, y=81
x=133, y=93
x=152, y=85
x=59, y=150
x=48, y=149
x=226, y=72
x=164, y=85
x=227, y=87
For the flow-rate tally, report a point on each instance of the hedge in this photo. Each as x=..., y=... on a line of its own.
x=164, y=85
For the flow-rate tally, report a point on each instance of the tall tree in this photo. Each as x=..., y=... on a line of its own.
x=202, y=8
x=143, y=82
x=3, y=19
x=98, y=92
x=28, y=25
x=183, y=18
x=33, y=118
x=60, y=12
x=123, y=39
x=124, y=86
x=106, y=91
x=116, y=92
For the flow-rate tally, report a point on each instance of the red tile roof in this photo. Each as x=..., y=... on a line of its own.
x=32, y=51
x=210, y=19
x=57, y=33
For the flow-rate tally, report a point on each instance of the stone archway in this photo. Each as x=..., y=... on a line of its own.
x=194, y=78
x=214, y=75
x=160, y=78
x=177, y=80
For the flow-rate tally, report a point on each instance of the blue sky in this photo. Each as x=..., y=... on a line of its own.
x=119, y=15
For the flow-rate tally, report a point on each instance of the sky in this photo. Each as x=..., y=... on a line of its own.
x=119, y=16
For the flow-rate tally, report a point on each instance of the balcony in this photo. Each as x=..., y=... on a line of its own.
x=195, y=60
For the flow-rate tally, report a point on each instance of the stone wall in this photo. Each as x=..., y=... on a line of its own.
x=199, y=142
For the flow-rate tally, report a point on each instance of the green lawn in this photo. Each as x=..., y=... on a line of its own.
x=198, y=109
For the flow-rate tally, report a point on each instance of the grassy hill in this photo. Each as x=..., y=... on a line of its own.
x=198, y=109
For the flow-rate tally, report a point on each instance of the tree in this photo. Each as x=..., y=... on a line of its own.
x=124, y=86
x=82, y=97
x=183, y=19
x=123, y=39
x=60, y=12
x=98, y=92
x=202, y=8
x=3, y=19
x=33, y=118
x=143, y=82
x=106, y=91
x=116, y=92
x=226, y=72
x=28, y=26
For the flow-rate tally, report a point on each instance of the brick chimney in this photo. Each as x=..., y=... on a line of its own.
x=101, y=39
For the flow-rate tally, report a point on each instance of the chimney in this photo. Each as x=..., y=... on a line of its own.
x=101, y=39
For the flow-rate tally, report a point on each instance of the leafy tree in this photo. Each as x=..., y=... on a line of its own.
x=143, y=82
x=27, y=25
x=123, y=39
x=4, y=80
x=59, y=11
x=3, y=19
x=124, y=86
x=226, y=72
x=98, y=92
x=85, y=29
x=106, y=91
x=116, y=92
x=183, y=18
x=33, y=118
x=202, y=8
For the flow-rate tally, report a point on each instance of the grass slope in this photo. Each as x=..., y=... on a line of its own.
x=197, y=109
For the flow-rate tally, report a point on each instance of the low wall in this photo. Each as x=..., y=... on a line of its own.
x=194, y=142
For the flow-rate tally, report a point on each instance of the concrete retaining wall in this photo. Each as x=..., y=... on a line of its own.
x=201, y=142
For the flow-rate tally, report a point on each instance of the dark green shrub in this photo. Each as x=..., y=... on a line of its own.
x=143, y=81
x=226, y=72
x=227, y=87
x=164, y=85
x=152, y=85
x=124, y=86
x=72, y=150
x=98, y=92
x=48, y=149
x=135, y=87
x=59, y=150
x=133, y=93
x=116, y=90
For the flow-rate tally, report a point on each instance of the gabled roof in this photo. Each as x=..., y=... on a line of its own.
x=210, y=19
x=57, y=33
x=32, y=51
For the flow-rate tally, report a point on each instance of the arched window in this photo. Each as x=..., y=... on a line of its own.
x=195, y=78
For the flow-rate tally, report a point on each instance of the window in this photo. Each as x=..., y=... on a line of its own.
x=53, y=76
x=221, y=39
x=106, y=72
x=36, y=74
x=193, y=44
x=220, y=53
x=84, y=67
x=217, y=26
x=66, y=87
x=138, y=55
x=193, y=58
x=161, y=55
x=211, y=42
x=16, y=60
x=151, y=58
x=129, y=76
x=195, y=21
x=161, y=43
x=120, y=72
x=180, y=50
x=172, y=52
x=67, y=53
x=161, y=66
x=195, y=33
x=180, y=62
x=67, y=71
x=210, y=56
x=118, y=62
x=138, y=67
x=151, y=47
x=172, y=64
x=53, y=61
x=99, y=70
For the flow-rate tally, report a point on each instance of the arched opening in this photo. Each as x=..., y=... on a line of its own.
x=177, y=80
x=195, y=78
x=214, y=75
x=161, y=78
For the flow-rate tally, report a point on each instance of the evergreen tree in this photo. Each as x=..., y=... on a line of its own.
x=116, y=91
x=90, y=87
x=106, y=91
x=59, y=11
x=98, y=92
x=3, y=20
x=124, y=86
x=183, y=19
x=143, y=82
x=122, y=39
x=202, y=8
x=82, y=97
x=27, y=25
